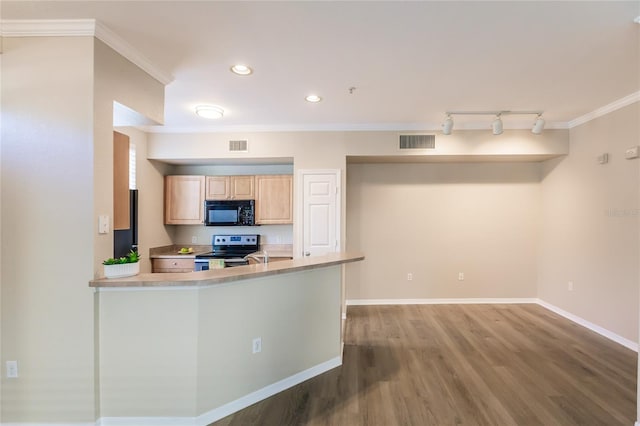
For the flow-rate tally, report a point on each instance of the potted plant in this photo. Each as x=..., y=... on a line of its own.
x=126, y=266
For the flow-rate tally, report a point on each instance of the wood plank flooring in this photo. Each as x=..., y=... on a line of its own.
x=461, y=365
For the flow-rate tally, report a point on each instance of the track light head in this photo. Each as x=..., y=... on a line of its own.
x=538, y=125
x=447, y=125
x=496, y=126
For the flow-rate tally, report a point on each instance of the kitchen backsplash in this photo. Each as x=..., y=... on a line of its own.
x=269, y=234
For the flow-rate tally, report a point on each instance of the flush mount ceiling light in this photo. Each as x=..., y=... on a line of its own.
x=241, y=69
x=209, y=111
x=496, y=125
x=313, y=98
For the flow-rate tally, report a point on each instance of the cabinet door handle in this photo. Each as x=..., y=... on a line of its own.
x=306, y=253
x=175, y=263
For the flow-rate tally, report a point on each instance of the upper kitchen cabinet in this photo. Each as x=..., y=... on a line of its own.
x=184, y=200
x=274, y=199
x=230, y=188
x=121, y=218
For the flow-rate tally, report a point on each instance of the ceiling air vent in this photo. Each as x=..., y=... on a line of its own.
x=417, y=141
x=239, y=146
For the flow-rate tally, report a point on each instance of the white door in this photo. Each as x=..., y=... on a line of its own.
x=321, y=211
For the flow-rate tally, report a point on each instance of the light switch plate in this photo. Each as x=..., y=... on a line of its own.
x=103, y=224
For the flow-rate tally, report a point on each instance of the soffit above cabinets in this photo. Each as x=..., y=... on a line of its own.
x=381, y=159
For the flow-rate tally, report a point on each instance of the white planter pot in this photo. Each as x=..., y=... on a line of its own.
x=121, y=270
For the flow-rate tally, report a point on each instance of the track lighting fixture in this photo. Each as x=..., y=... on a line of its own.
x=538, y=125
x=447, y=126
x=497, y=125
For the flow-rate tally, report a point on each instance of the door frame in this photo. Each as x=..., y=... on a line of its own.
x=298, y=243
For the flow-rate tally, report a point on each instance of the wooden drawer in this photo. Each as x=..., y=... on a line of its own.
x=173, y=265
x=277, y=259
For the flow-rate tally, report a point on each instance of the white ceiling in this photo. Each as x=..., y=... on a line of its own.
x=409, y=61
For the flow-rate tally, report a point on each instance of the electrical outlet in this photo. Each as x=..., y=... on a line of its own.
x=194, y=239
x=257, y=345
x=409, y=276
x=12, y=369
x=570, y=285
x=460, y=276
x=631, y=153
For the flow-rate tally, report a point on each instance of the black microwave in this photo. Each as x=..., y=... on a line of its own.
x=229, y=212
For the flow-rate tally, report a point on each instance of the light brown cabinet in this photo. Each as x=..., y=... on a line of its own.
x=172, y=265
x=230, y=188
x=274, y=199
x=184, y=200
x=121, y=218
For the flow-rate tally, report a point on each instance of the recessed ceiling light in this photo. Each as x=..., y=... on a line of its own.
x=209, y=111
x=313, y=98
x=241, y=69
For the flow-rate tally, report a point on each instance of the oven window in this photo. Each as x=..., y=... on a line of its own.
x=223, y=216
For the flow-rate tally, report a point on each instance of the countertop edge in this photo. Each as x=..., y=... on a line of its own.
x=226, y=275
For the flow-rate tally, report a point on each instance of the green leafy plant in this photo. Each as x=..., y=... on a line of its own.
x=132, y=257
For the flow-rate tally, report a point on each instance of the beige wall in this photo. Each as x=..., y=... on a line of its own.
x=589, y=231
x=149, y=370
x=436, y=220
x=284, y=310
x=57, y=112
x=187, y=352
x=1, y=359
x=47, y=215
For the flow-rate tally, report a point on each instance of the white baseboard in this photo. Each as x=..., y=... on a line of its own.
x=361, y=302
x=51, y=424
x=264, y=393
x=581, y=321
x=591, y=326
x=227, y=409
x=146, y=421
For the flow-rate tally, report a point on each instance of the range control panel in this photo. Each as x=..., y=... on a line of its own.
x=236, y=240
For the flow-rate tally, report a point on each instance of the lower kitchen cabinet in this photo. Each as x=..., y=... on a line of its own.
x=172, y=265
x=274, y=199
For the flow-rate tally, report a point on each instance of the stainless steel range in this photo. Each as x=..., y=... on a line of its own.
x=231, y=248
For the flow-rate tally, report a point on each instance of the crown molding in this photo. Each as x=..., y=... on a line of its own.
x=613, y=106
x=81, y=28
x=47, y=27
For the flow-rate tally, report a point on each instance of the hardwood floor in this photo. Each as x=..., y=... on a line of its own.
x=461, y=365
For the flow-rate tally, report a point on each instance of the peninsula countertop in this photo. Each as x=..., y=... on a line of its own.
x=226, y=275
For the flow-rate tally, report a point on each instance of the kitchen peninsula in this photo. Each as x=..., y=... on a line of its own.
x=200, y=345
